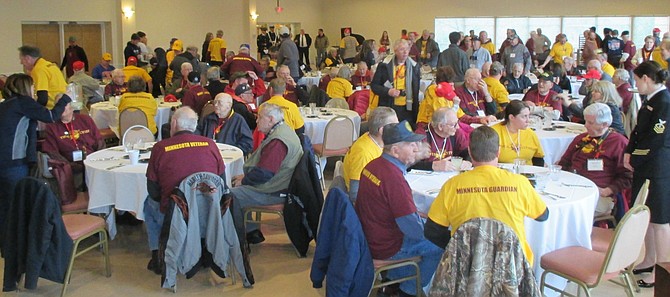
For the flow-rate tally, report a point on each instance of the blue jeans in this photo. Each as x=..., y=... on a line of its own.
x=9, y=176
x=430, y=258
x=153, y=219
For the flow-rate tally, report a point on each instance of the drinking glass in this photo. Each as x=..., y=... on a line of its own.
x=518, y=164
x=457, y=162
x=554, y=172
x=312, y=107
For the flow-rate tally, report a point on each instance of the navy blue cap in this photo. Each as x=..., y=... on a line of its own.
x=400, y=132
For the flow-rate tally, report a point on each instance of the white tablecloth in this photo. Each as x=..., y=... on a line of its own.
x=315, y=125
x=309, y=81
x=570, y=219
x=555, y=143
x=125, y=188
x=106, y=115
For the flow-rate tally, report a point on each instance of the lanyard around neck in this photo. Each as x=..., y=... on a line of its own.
x=444, y=144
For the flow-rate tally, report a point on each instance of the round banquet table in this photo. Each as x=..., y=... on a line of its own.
x=309, y=81
x=571, y=201
x=106, y=115
x=315, y=124
x=113, y=182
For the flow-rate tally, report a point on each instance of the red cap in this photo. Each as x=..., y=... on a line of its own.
x=657, y=30
x=78, y=65
x=445, y=90
x=170, y=98
x=132, y=60
x=592, y=74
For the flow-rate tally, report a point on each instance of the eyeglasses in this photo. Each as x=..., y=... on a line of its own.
x=216, y=102
x=451, y=125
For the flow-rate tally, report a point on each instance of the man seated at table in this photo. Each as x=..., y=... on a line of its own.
x=592, y=67
x=104, y=69
x=89, y=85
x=71, y=139
x=214, y=84
x=292, y=115
x=495, y=87
x=544, y=97
x=389, y=218
x=333, y=59
x=136, y=97
x=118, y=85
x=132, y=70
x=242, y=62
x=292, y=93
x=268, y=170
x=225, y=125
x=238, y=78
x=509, y=198
x=516, y=82
x=475, y=98
x=172, y=160
x=366, y=148
x=446, y=139
x=179, y=87
x=244, y=104
x=196, y=96
x=363, y=76
x=597, y=155
x=340, y=87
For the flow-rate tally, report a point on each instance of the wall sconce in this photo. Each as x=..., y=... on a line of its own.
x=128, y=12
x=254, y=16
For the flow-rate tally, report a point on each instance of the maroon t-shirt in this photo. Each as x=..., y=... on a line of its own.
x=442, y=148
x=196, y=97
x=548, y=100
x=361, y=80
x=626, y=95
x=611, y=150
x=471, y=102
x=179, y=156
x=80, y=134
x=113, y=89
x=383, y=196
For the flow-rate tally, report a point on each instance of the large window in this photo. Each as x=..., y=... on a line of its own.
x=573, y=27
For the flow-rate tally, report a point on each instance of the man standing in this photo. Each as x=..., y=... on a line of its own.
x=508, y=198
x=73, y=53
x=268, y=170
x=241, y=62
x=171, y=161
x=629, y=51
x=89, y=86
x=348, y=46
x=132, y=49
x=487, y=43
x=559, y=51
x=516, y=52
x=274, y=39
x=614, y=49
x=104, y=69
x=396, y=82
x=263, y=43
x=303, y=41
x=145, y=54
x=288, y=53
x=47, y=77
x=217, y=49
x=429, y=49
x=454, y=57
x=480, y=55
x=540, y=42
x=387, y=211
x=321, y=44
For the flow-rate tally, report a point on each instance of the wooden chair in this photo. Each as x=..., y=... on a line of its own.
x=588, y=268
x=129, y=117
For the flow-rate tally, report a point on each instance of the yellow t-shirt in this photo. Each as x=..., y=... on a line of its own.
x=339, y=88
x=609, y=69
x=424, y=46
x=399, y=84
x=130, y=71
x=559, y=51
x=215, y=46
x=169, y=56
x=489, y=46
x=145, y=102
x=431, y=102
x=488, y=192
x=527, y=140
x=360, y=154
x=292, y=115
x=656, y=56
x=48, y=77
x=498, y=91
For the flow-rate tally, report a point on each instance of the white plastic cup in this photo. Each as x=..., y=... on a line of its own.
x=134, y=156
x=457, y=162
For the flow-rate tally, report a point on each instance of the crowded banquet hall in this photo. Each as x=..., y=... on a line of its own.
x=334, y=148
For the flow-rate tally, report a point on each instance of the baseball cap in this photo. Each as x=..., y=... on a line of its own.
x=245, y=45
x=625, y=33
x=78, y=65
x=153, y=61
x=194, y=77
x=284, y=31
x=546, y=76
x=132, y=60
x=241, y=89
x=657, y=30
x=445, y=90
x=72, y=39
x=400, y=132
x=475, y=39
x=107, y=56
x=177, y=45
x=592, y=74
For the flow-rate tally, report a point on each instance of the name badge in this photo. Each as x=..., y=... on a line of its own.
x=77, y=155
x=512, y=55
x=480, y=113
x=595, y=165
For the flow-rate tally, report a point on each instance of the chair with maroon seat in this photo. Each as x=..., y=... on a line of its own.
x=588, y=268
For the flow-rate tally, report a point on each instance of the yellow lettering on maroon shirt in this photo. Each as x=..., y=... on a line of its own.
x=371, y=177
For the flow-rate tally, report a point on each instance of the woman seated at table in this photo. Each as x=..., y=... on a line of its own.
x=516, y=140
x=117, y=86
x=597, y=155
x=71, y=139
x=333, y=59
x=444, y=139
x=226, y=126
x=605, y=92
x=363, y=76
x=136, y=97
x=340, y=87
x=516, y=82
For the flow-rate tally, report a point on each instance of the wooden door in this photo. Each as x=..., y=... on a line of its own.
x=44, y=36
x=89, y=37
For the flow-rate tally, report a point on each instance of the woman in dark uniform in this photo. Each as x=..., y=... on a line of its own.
x=648, y=156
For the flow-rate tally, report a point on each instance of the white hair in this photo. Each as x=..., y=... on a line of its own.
x=272, y=110
x=185, y=118
x=601, y=111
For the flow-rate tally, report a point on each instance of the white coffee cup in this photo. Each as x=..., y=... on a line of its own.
x=134, y=156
